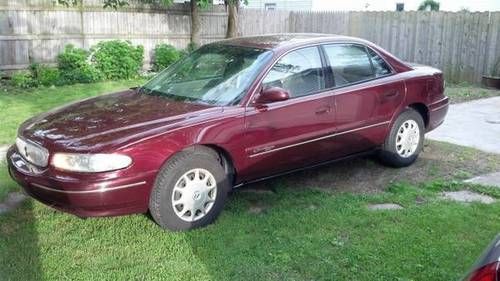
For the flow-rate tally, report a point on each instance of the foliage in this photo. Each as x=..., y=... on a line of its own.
x=429, y=4
x=74, y=66
x=115, y=4
x=44, y=75
x=165, y=55
x=118, y=59
x=23, y=79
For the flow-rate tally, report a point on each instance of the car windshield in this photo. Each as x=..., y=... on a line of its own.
x=215, y=74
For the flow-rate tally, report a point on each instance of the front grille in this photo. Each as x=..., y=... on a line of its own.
x=33, y=153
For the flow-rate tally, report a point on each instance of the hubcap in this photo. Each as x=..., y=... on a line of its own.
x=407, y=138
x=194, y=194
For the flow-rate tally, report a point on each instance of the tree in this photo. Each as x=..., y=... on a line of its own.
x=429, y=5
x=233, y=7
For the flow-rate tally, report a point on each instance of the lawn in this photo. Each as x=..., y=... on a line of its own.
x=312, y=225
x=466, y=92
x=299, y=235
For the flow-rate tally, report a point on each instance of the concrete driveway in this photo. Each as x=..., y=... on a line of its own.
x=475, y=124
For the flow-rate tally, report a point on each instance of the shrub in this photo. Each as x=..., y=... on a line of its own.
x=44, y=75
x=165, y=55
x=23, y=79
x=118, y=59
x=74, y=66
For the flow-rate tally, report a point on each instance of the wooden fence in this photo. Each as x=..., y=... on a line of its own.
x=464, y=45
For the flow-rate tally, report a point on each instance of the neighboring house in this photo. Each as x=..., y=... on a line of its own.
x=285, y=5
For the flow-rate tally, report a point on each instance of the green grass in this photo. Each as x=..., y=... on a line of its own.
x=464, y=92
x=18, y=105
x=7, y=185
x=301, y=235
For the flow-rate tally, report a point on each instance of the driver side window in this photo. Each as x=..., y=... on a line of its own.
x=299, y=72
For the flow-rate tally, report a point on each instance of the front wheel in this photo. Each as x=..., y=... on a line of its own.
x=405, y=140
x=190, y=190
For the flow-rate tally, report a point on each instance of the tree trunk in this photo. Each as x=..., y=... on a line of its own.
x=232, y=19
x=195, y=23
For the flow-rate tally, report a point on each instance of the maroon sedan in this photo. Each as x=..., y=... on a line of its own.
x=230, y=113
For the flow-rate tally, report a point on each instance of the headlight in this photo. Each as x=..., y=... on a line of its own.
x=90, y=163
x=32, y=152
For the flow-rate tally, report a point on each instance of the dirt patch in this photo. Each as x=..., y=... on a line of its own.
x=365, y=175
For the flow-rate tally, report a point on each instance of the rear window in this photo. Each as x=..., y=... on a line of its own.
x=380, y=66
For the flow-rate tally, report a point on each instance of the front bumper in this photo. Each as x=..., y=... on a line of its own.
x=83, y=195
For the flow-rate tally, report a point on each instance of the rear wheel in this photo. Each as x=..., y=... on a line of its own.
x=405, y=140
x=190, y=190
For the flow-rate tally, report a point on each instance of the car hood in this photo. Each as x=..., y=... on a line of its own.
x=111, y=120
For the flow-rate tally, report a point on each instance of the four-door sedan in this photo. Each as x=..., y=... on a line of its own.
x=230, y=113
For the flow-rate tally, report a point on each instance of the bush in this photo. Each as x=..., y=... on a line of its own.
x=118, y=59
x=165, y=55
x=74, y=66
x=44, y=75
x=23, y=79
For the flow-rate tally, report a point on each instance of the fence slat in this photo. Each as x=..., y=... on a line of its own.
x=464, y=45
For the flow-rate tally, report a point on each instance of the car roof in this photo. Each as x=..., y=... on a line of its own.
x=288, y=40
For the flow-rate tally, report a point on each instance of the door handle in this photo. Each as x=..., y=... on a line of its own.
x=323, y=110
x=390, y=94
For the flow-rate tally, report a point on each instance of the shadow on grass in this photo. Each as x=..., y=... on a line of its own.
x=19, y=251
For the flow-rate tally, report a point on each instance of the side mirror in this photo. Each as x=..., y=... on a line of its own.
x=272, y=94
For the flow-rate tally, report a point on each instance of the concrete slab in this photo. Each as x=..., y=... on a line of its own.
x=472, y=124
x=3, y=151
x=15, y=198
x=4, y=209
x=467, y=196
x=492, y=179
x=385, y=206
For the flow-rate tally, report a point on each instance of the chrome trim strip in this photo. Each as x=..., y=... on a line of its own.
x=439, y=107
x=101, y=190
x=320, y=138
x=439, y=101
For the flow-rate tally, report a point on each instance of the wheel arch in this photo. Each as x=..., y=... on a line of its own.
x=225, y=156
x=423, y=110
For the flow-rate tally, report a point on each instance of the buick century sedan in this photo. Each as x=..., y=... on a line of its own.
x=230, y=113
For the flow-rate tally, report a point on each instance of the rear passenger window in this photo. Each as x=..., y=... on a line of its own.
x=299, y=72
x=381, y=67
x=350, y=63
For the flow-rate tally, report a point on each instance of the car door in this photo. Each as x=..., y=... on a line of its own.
x=366, y=91
x=285, y=135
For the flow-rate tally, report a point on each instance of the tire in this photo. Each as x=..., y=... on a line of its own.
x=186, y=182
x=396, y=152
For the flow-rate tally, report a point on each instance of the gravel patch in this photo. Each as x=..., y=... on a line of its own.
x=385, y=206
x=466, y=196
